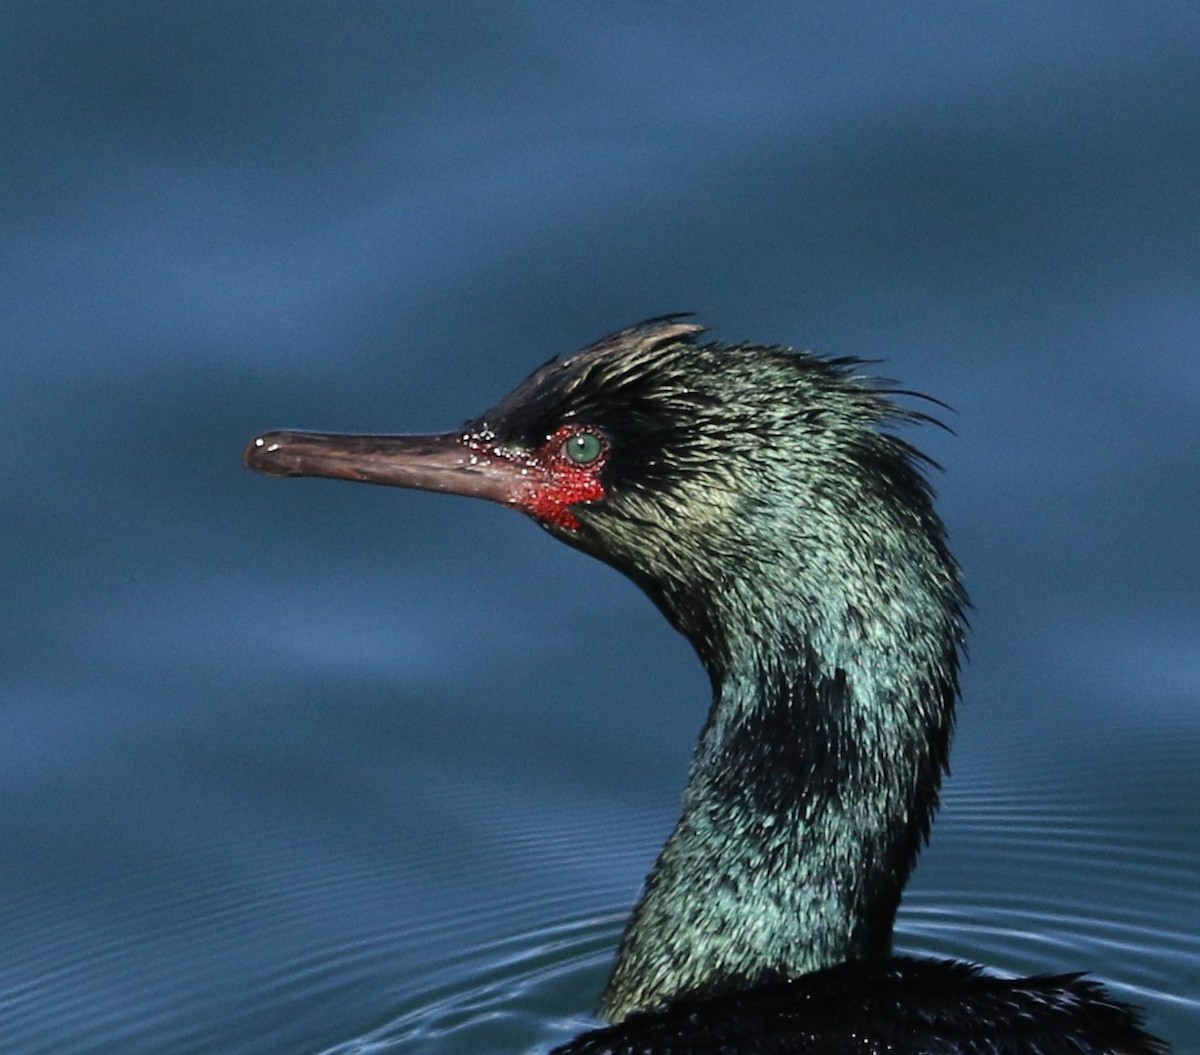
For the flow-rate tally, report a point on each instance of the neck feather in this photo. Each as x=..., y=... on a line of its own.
x=811, y=791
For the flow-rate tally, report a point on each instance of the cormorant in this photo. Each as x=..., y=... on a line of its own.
x=759, y=497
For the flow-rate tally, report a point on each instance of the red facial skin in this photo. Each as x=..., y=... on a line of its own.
x=550, y=481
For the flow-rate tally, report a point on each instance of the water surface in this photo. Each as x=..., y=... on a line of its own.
x=290, y=766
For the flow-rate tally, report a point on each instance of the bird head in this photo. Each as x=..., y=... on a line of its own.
x=738, y=484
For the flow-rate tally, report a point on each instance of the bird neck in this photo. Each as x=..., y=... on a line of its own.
x=810, y=793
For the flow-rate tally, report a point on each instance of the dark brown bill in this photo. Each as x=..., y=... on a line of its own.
x=428, y=463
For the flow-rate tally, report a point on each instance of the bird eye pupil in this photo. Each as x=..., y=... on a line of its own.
x=583, y=448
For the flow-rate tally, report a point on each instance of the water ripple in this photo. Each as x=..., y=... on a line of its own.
x=514, y=919
x=1089, y=895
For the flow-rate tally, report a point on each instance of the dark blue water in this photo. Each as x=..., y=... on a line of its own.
x=292, y=766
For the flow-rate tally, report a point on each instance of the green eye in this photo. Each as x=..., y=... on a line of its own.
x=583, y=448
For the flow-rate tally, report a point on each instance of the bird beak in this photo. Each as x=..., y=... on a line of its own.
x=445, y=463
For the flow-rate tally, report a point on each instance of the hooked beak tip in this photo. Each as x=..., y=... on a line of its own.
x=257, y=455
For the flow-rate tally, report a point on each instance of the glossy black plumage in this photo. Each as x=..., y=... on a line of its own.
x=891, y=1007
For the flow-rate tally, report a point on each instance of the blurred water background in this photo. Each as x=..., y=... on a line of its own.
x=290, y=766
